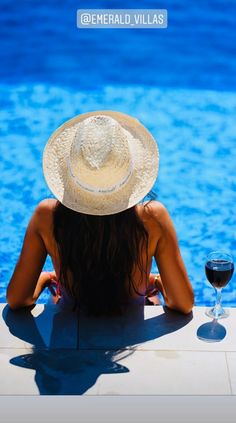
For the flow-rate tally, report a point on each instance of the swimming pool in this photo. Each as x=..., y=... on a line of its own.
x=195, y=131
x=187, y=100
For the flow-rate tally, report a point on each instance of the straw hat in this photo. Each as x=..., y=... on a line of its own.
x=101, y=162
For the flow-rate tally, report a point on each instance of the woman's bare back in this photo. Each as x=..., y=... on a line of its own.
x=138, y=277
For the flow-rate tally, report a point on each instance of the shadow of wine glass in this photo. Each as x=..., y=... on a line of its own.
x=211, y=331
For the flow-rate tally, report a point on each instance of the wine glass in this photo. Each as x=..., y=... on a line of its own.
x=219, y=269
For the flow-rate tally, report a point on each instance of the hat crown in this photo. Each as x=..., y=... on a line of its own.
x=95, y=139
x=100, y=157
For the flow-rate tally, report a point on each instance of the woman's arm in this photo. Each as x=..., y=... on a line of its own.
x=27, y=282
x=173, y=282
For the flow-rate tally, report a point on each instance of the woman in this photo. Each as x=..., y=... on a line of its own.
x=101, y=239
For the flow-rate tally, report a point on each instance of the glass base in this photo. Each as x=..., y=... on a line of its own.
x=217, y=313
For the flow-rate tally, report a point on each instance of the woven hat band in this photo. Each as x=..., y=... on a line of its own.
x=95, y=190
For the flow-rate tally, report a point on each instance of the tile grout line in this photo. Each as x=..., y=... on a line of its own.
x=137, y=348
x=112, y=349
x=143, y=350
x=228, y=371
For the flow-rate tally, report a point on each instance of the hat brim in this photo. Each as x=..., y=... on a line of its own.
x=145, y=171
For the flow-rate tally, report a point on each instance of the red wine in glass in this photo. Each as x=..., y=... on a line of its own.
x=219, y=272
x=219, y=269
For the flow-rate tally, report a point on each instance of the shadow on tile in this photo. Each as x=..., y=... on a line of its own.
x=130, y=329
x=53, y=328
x=211, y=332
x=70, y=372
x=74, y=371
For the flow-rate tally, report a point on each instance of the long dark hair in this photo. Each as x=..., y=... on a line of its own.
x=97, y=255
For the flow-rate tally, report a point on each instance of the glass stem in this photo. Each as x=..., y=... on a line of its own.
x=218, y=298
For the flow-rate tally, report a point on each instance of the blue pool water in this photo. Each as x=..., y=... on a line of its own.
x=179, y=82
x=195, y=131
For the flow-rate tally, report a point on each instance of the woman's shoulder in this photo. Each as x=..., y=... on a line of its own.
x=154, y=215
x=45, y=207
x=154, y=209
x=44, y=216
x=44, y=212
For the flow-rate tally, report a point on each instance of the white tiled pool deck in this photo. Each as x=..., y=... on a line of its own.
x=52, y=350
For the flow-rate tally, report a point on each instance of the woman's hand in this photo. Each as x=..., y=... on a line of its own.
x=153, y=289
x=49, y=280
x=154, y=285
x=42, y=283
